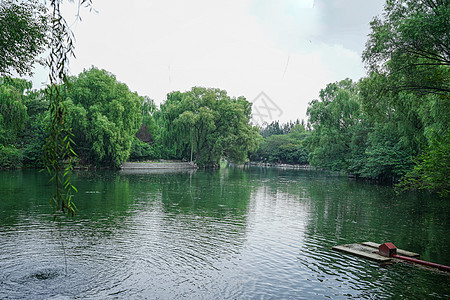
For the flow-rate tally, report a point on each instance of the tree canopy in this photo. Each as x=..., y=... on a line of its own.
x=368, y=139
x=333, y=118
x=13, y=112
x=288, y=147
x=205, y=125
x=408, y=58
x=410, y=43
x=275, y=128
x=23, y=27
x=104, y=115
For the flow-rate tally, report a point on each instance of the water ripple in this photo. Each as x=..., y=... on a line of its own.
x=191, y=236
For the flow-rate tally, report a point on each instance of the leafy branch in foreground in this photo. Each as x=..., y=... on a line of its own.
x=58, y=150
x=58, y=153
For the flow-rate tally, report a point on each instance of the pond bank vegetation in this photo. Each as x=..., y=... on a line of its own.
x=392, y=124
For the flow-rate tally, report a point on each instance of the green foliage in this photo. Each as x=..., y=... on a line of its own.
x=275, y=128
x=58, y=152
x=23, y=27
x=285, y=148
x=410, y=44
x=104, y=116
x=385, y=155
x=142, y=151
x=395, y=129
x=149, y=130
x=434, y=113
x=13, y=112
x=22, y=122
x=374, y=133
x=333, y=119
x=357, y=130
x=10, y=157
x=432, y=171
x=205, y=125
x=34, y=140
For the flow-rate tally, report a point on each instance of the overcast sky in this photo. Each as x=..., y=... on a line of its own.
x=277, y=54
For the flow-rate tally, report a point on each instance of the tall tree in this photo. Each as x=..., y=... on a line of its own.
x=395, y=130
x=104, y=115
x=13, y=115
x=207, y=124
x=13, y=112
x=333, y=118
x=357, y=130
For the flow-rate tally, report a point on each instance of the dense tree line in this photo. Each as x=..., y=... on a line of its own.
x=392, y=124
x=345, y=136
x=275, y=128
x=110, y=124
x=282, y=143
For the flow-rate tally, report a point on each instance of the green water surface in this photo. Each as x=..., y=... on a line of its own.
x=226, y=234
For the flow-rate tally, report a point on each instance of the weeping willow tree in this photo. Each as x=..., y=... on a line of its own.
x=333, y=118
x=205, y=125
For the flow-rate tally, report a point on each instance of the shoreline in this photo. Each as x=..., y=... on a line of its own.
x=150, y=165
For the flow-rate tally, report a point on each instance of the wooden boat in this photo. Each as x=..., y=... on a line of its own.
x=370, y=251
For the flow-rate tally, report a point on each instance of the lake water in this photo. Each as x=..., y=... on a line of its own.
x=223, y=234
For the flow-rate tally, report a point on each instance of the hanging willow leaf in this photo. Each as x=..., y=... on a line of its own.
x=58, y=152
